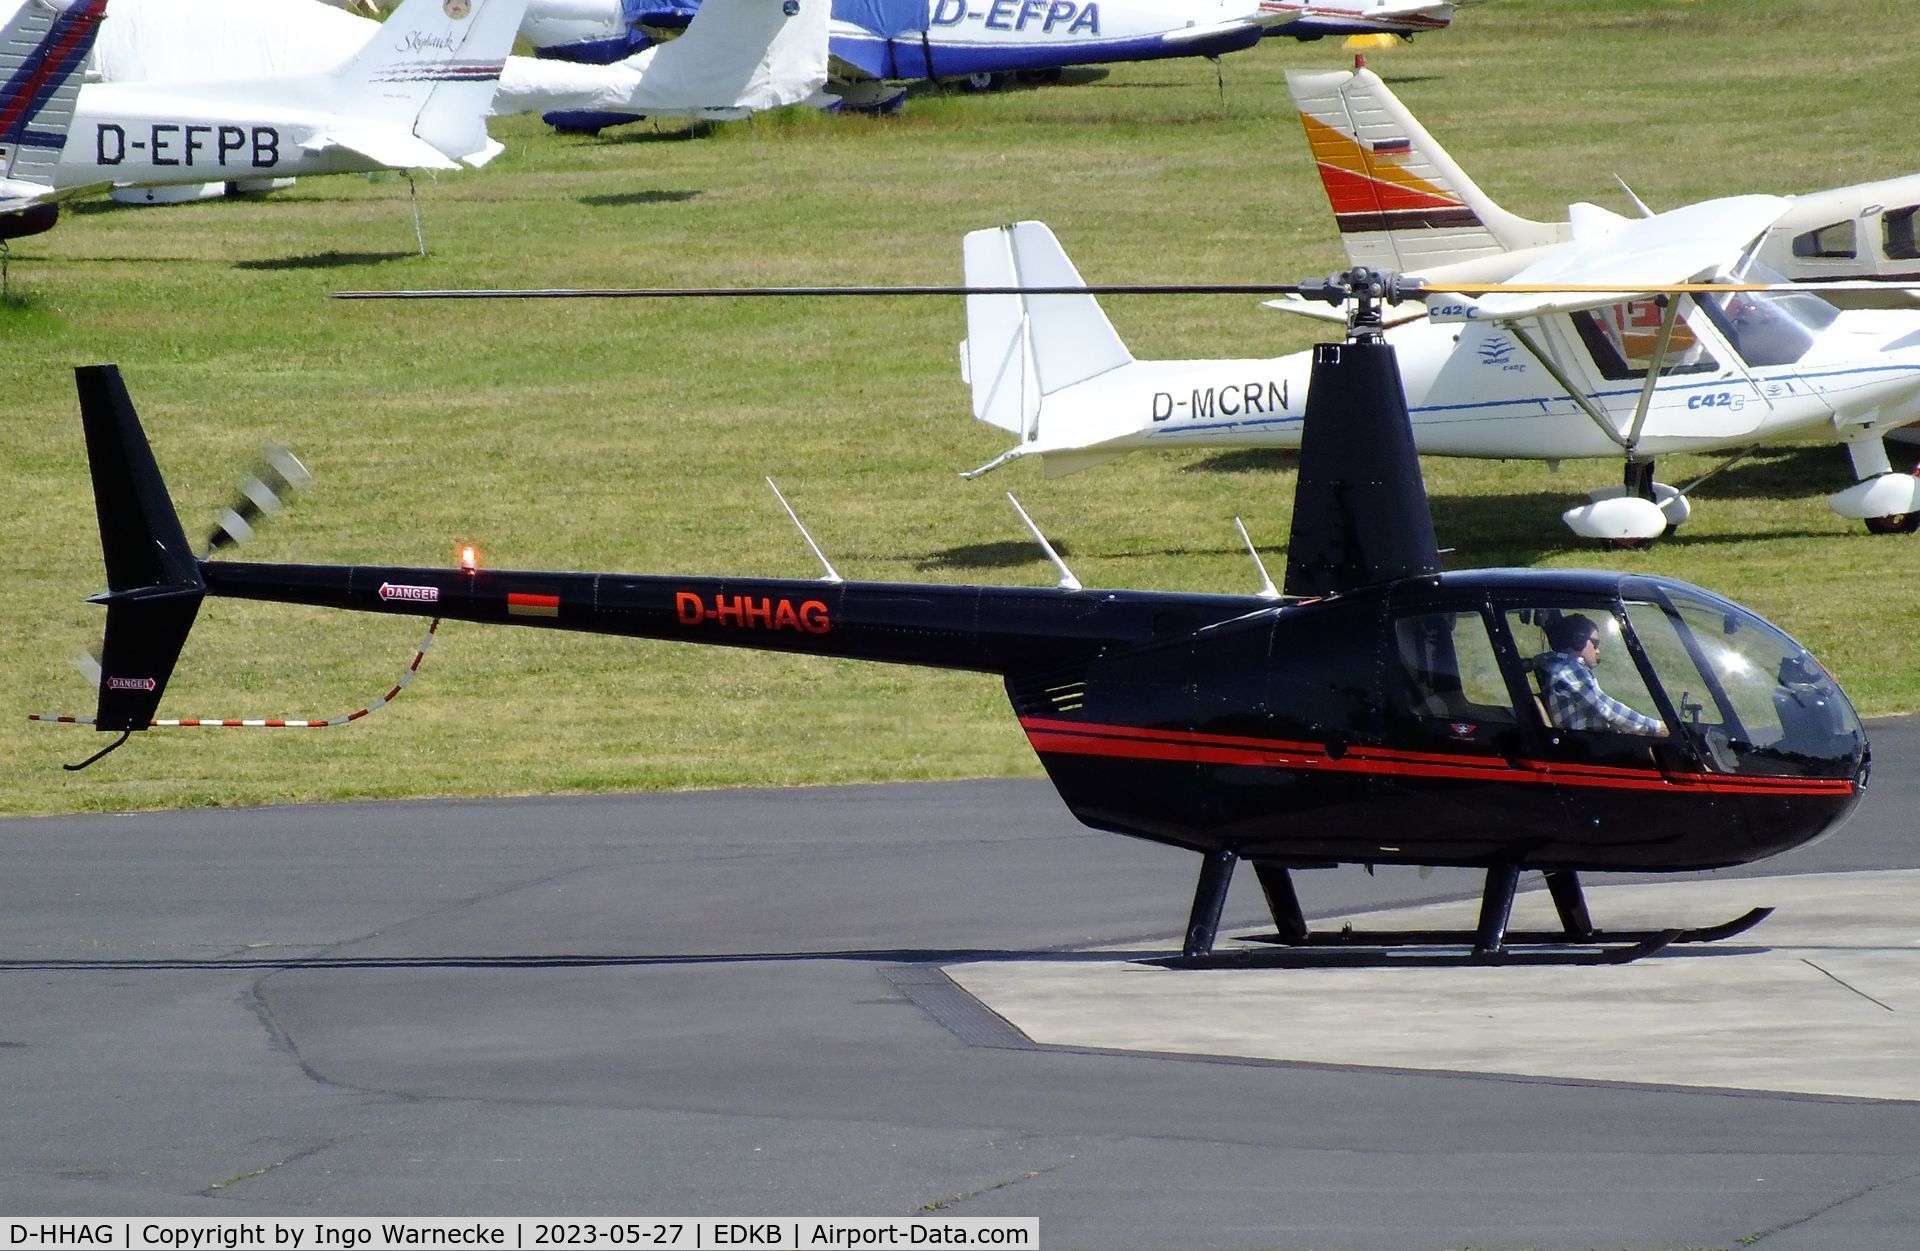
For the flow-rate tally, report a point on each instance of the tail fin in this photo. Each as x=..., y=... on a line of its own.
x=154, y=586
x=42, y=49
x=433, y=67
x=736, y=57
x=739, y=55
x=1360, y=514
x=1021, y=348
x=1399, y=200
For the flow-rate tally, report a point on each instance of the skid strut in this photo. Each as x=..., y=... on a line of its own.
x=1496, y=908
x=1209, y=898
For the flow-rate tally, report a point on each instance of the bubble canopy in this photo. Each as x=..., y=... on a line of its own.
x=1752, y=700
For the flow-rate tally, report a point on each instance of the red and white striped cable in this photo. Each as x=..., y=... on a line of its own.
x=275, y=723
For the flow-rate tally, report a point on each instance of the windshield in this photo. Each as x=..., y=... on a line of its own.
x=1768, y=327
x=1752, y=700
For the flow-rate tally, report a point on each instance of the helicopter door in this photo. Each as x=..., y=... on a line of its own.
x=1603, y=732
x=1451, y=711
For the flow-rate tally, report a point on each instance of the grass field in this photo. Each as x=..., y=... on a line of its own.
x=627, y=436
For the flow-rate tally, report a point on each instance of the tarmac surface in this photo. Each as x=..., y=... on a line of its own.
x=749, y=1003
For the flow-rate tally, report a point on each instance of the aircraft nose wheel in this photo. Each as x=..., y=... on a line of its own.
x=1894, y=523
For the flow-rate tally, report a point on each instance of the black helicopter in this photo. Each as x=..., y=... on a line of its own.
x=1380, y=711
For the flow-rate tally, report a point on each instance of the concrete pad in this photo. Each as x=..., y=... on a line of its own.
x=1821, y=998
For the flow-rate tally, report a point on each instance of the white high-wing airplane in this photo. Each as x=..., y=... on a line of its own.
x=43, y=47
x=1403, y=204
x=1549, y=377
x=414, y=96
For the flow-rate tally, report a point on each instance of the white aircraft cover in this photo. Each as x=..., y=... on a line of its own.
x=1637, y=253
x=165, y=41
x=736, y=55
x=742, y=55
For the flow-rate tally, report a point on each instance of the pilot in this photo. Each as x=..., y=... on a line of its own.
x=1573, y=696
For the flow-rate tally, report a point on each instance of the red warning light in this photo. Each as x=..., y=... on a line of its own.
x=469, y=559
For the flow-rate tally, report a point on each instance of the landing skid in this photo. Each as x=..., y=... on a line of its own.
x=1623, y=939
x=1575, y=942
x=1337, y=951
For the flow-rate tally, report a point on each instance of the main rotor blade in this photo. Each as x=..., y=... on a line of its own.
x=1654, y=288
x=1309, y=289
x=1333, y=291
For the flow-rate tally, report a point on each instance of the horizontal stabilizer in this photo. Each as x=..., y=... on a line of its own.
x=1266, y=20
x=383, y=145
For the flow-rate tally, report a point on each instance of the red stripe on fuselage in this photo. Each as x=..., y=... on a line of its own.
x=1076, y=738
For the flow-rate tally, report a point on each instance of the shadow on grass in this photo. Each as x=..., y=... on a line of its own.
x=623, y=198
x=1784, y=473
x=1247, y=460
x=1490, y=531
x=327, y=260
x=641, y=132
x=1004, y=555
x=22, y=312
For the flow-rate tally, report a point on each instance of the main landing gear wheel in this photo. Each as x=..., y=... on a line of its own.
x=977, y=83
x=1895, y=523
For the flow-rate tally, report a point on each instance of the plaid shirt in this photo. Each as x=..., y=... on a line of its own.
x=1576, y=702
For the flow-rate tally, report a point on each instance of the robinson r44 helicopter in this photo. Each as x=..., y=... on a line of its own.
x=1378, y=711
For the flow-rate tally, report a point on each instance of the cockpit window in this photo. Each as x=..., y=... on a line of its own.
x=1769, y=327
x=1582, y=674
x=1752, y=700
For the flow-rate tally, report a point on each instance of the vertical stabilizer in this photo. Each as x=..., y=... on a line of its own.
x=1021, y=348
x=433, y=67
x=42, y=49
x=739, y=54
x=154, y=586
x=1360, y=508
x=1400, y=201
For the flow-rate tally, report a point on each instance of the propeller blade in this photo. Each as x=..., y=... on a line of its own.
x=263, y=493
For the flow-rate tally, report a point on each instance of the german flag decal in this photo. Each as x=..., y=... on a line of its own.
x=520, y=604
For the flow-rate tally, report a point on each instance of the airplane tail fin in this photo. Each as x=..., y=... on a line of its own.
x=1021, y=348
x=736, y=57
x=741, y=54
x=432, y=66
x=42, y=49
x=1400, y=201
x=154, y=585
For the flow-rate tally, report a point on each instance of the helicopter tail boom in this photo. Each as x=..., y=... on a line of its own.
x=154, y=587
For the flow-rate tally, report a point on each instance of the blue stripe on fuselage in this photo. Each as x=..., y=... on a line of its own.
x=1544, y=401
x=56, y=72
x=950, y=58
